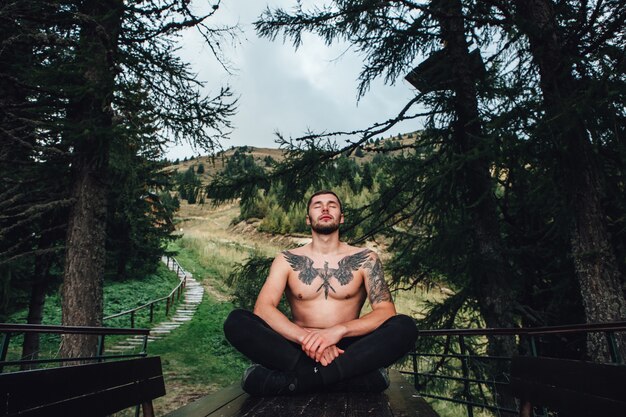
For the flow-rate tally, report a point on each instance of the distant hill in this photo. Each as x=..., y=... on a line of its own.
x=213, y=165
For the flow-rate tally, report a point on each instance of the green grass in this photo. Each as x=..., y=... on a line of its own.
x=126, y=295
x=118, y=296
x=198, y=353
x=207, y=262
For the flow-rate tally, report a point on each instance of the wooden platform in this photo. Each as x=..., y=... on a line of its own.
x=399, y=400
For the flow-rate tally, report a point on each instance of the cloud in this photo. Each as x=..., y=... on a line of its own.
x=289, y=90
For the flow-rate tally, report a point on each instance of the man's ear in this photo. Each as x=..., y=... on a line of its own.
x=341, y=219
x=308, y=220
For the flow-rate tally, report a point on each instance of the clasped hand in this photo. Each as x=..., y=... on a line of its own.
x=321, y=345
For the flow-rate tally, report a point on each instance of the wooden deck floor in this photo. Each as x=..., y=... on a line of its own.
x=399, y=400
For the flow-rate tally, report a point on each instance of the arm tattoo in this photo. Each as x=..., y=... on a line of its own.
x=343, y=273
x=379, y=291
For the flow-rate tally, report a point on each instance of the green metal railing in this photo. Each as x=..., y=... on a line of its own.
x=455, y=367
x=9, y=332
x=169, y=299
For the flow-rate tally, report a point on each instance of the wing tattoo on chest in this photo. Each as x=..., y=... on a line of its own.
x=302, y=264
x=343, y=273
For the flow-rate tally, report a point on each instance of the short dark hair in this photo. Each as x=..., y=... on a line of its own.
x=308, y=205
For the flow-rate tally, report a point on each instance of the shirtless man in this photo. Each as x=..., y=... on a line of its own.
x=327, y=345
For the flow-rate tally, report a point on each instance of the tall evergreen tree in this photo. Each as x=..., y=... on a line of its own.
x=490, y=194
x=391, y=36
x=559, y=53
x=90, y=130
x=88, y=61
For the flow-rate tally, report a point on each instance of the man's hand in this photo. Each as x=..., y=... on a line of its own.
x=315, y=343
x=330, y=354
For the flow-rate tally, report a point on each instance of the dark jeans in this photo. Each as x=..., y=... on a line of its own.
x=253, y=337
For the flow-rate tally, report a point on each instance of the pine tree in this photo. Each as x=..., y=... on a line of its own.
x=506, y=189
x=103, y=65
x=565, y=122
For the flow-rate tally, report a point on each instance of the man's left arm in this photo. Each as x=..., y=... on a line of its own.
x=382, y=309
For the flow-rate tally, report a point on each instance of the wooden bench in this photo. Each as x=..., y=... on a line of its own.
x=576, y=388
x=94, y=390
x=399, y=400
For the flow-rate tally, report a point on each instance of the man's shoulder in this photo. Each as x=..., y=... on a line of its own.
x=350, y=250
x=300, y=251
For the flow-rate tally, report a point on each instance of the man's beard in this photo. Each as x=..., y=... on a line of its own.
x=325, y=229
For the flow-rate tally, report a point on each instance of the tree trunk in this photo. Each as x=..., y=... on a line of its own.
x=491, y=278
x=594, y=260
x=90, y=115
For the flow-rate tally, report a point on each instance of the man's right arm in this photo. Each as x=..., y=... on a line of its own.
x=269, y=297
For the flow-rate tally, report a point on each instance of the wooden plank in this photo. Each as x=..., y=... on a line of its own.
x=57, y=384
x=363, y=404
x=208, y=404
x=573, y=403
x=603, y=380
x=98, y=404
x=404, y=401
x=400, y=400
x=309, y=405
x=95, y=389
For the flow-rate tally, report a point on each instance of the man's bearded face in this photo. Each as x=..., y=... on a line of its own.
x=325, y=214
x=325, y=227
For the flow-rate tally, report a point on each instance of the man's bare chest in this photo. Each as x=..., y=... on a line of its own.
x=311, y=278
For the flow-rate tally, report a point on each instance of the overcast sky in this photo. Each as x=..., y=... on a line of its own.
x=282, y=89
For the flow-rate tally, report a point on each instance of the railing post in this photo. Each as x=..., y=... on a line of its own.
x=4, y=348
x=613, y=351
x=100, y=347
x=533, y=346
x=144, y=350
x=535, y=353
x=167, y=307
x=465, y=370
x=151, y=312
x=416, y=382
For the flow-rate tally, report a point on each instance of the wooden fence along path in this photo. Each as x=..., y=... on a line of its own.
x=192, y=297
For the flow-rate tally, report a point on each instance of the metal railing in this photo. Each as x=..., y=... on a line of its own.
x=169, y=299
x=8, y=332
x=454, y=366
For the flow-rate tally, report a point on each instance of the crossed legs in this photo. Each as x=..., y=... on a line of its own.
x=254, y=338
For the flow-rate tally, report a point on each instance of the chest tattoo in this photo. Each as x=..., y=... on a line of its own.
x=343, y=273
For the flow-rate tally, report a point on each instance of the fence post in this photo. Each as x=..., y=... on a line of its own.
x=416, y=382
x=533, y=346
x=151, y=312
x=613, y=351
x=100, y=347
x=465, y=370
x=4, y=348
